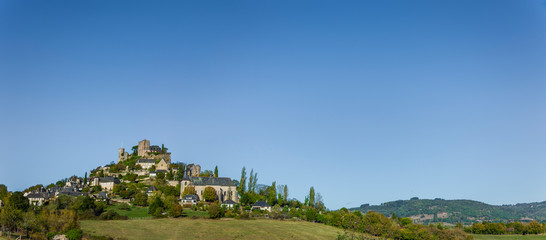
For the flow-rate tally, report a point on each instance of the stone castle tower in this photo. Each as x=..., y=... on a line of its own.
x=122, y=156
x=143, y=147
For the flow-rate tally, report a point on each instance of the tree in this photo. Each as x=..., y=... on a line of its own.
x=312, y=197
x=214, y=211
x=160, y=175
x=3, y=192
x=18, y=201
x=85, y=179
x=285, y=194
x=252, y=181
x=152, y=169
x=176, y=210
x=170, y=175
x=242, y=184
x=96, y=189
x=319, y=204
x=141, y=199
x=216, y=171
x=209, y=194
x=534, y=227
x=135, y=150
x=272, y=194
x=156, y=208
x=188, y=190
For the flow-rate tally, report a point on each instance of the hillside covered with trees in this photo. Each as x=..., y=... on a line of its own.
x=454, y=211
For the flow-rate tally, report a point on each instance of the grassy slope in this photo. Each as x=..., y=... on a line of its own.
x=184, y=228
x=509, y=237
x=134, y=213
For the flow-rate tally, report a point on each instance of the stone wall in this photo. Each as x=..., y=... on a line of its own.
x=143, y=147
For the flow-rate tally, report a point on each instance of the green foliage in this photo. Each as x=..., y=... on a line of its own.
x=141, y=199
x=242, y=183
x=176, y=210
x=271, y=194
x=252, y=181
x=124, y=206
x=171, y=191
x=188, y=190
x=463, y=211
x=170, y=175
x=96, y=189
x=18, y=201
x=3, y=192
x=209, y=194
x=157, y=207
x=160, y=175
x=180, y=173
x=312, y=197
x=131, y=177
x=214, y=211
x=74, y=234
x=216, y=171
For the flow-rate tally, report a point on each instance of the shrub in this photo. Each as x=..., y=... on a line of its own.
x=214, y=211
x=74, y=234
x=124, y=206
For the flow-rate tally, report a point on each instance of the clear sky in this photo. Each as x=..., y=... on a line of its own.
x=367, y=101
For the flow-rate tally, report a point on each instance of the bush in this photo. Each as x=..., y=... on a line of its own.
x=74, y=234
x=176, y=210
x=124, y=206
x=214, y=211
x=112, y=215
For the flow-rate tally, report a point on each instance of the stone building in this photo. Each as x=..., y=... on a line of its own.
x=122, y=155
x=162, y=165
x=145, y=163
x=193, y=170
x=224, y=187
x=155, y=149
x=107, y=183
x=143, y=147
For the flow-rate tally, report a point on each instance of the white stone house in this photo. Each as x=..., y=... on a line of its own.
x=107, y=183
x=38, y=199
x=190, y=199
x=262, y=205
x=145, y=163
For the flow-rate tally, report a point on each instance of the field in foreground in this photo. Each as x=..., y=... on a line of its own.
x=509, y=237
x=184, y=228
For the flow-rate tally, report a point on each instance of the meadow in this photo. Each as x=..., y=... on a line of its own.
x=509, y=237
x=184, y=228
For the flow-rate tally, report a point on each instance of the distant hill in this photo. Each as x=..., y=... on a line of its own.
x=427, y=211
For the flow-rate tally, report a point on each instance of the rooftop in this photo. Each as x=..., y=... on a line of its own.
x=211, y=181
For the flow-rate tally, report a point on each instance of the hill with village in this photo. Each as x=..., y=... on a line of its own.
x=146, y=186
x=426, y=211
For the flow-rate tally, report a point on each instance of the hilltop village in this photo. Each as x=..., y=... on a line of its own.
x=146, y=183
x=144, y=167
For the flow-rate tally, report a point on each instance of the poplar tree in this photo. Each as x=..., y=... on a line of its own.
x=312, y=197
x=242, y=183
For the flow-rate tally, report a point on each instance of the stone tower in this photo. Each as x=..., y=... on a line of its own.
x=122, y=155
x=143, y=147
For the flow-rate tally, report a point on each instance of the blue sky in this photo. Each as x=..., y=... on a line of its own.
x=367, y=101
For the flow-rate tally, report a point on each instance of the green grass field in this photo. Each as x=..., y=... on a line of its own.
x=134, y=213
x=509, y=237
x=184, y=228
